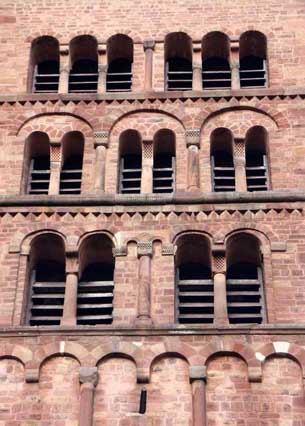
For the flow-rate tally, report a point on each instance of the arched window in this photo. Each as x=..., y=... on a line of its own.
x=178, y=60
x=37, y=164
x=130, y=162
x=164, y=162
x=253, y=59
x=47, y=280
x=245, y=298
x=83, y=76
x=45, y=65
x=216, y=71
x=71, y=171
x=194, y=284
x=120, y=59
x=222, y=162
x=95, y=288
x=256, y=159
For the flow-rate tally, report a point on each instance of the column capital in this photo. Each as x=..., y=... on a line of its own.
x=145, y=248
x=192, y=137
x=219, y=258
x=119, y=251
x=168, y=249
x=197, y=372
x=101, y=138
x=64, y=49
x=88, y=375
x=72, y=265
x=149, y=44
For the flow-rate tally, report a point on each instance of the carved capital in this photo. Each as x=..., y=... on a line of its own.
x=64, y=49
x=192, y=137
x=197, y=372
x=88, y=375
x=145, y=249
x=32, y=375
x=149, y=44
x=101, y=138
x=119, y=251
x=168, y=249
x=72, y=263
x=255, y=374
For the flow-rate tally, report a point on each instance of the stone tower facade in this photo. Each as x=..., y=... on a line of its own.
x=152, y=189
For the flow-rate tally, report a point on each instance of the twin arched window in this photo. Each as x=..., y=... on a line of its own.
x=223, y=164
x=37, y=165
x=195, y=287
x=161, y=153
x=47, y=278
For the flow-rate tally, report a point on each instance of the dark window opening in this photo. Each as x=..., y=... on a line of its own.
x=95, y=295
x=253, y=72
x=46, y=77
x=179, y=75
x=47, y=293
x=223, y=171
x=71, y=175
x=119, y=76
x=130, y=174
x=216, y=73
x=195, y=294
x=39, y=176
x=244, y=294
x=163, y=173
x=83, y=77
x=256, y=171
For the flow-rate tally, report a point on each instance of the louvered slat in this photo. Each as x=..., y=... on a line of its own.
x=195, y=301
x=94, y=302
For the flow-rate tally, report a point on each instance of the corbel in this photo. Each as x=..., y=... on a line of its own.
x=32, y=375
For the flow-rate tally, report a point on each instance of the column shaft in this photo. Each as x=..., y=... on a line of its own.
x=199, y=403
x=147, y=176
x=100, y=164
x=193, y=177
x=220, y=300
x=86, y=404
x=144, y=288
x=240, y=175
x=54, y=177
x=70, y=303
x=197, y=77
x=102, y=78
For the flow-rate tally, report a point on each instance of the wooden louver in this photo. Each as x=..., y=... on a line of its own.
x=71, y=176
x=130, y=174
x=95, y=296
x=195, y=297
x=47, y=297
x=245, y=297
x=257, y=172
x=164, y=174
x=253, y=72
x=179, y=74
x=39, y=176
x=223, y=173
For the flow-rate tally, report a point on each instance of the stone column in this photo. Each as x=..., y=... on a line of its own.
x=147, y=168
x=70, y=303
x=55, y=167
x=101, y=145
x=197, y=76
x=88, y=378
x=64, y=69
x=193, y=171
x=220, y=292
x=148, y=46
x=198, y=379
x=102, y=69
x=240, y=165
x=235, y=85
x=145, y=252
